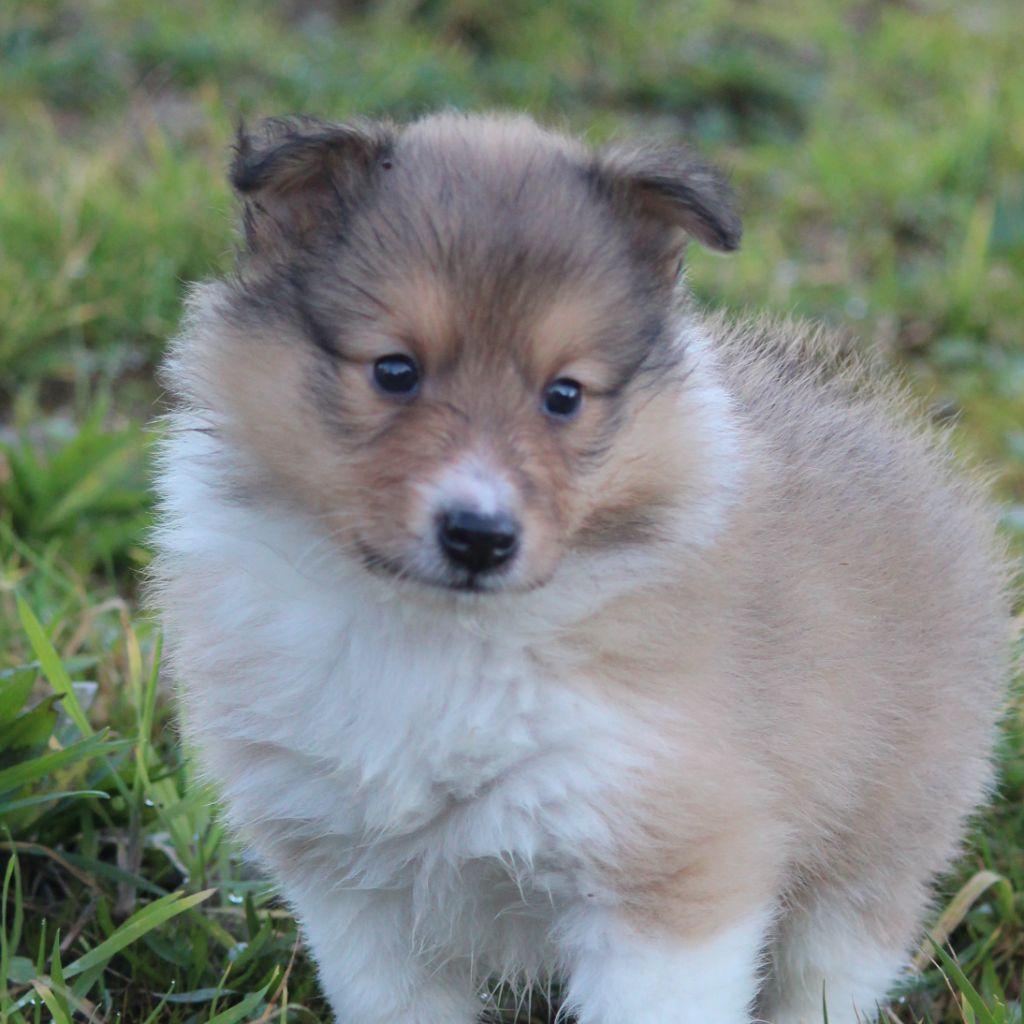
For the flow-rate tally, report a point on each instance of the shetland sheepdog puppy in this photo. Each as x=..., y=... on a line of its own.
x=535, y=624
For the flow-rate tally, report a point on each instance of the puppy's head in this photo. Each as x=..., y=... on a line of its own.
x=458, y=343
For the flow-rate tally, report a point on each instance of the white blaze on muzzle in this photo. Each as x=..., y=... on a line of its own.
x=475, y=484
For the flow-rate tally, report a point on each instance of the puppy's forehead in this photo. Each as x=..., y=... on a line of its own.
x=491, y=201
x=487, y=238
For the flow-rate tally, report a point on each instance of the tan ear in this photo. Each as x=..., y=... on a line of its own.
x=665, y=185
x=300, y=176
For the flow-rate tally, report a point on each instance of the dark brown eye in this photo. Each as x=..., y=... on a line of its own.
x=562, y=398
x=396, y=374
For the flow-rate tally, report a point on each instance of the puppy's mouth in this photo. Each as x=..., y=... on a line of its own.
x=459, y=581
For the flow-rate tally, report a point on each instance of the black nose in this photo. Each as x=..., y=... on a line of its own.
x=478, y=542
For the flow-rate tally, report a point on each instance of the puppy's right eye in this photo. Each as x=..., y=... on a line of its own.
x=562, y=398
x=396, y=374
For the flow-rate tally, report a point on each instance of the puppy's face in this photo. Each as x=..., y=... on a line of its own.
x=445, y=339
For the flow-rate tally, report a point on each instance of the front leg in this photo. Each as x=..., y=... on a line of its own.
x=620, y=973
x=369, y=965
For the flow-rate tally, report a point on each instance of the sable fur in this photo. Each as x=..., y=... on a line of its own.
x=701, y=749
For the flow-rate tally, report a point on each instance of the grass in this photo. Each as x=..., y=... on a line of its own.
x=879, y=151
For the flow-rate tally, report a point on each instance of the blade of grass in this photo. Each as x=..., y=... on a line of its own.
x=135, y=927
x=15, y=688
x=9, y=941
x=53, y=667
x=52, y=1002
x=954, y=913
x=241, y=1010
x=45, y=798
x=20, y=774
x=973, y=1001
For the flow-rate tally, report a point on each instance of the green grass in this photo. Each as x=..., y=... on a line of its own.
x=879, y=152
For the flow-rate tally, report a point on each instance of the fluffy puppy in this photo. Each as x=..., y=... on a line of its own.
x=535, y=624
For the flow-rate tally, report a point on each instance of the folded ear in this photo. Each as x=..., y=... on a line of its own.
x=664, y=185
x=299, y=175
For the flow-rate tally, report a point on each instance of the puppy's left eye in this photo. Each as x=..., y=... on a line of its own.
x=396, y=374
x=562, y=398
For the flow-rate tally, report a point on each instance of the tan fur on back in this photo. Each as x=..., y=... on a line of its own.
x=848, y=630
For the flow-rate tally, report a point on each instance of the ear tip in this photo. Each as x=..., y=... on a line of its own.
x=240, y=175
x=241, y=169
x=720, y=198
x=714, y=223
x=730, y=235
x=253, y=147
x=242, y=149
x=261, y=150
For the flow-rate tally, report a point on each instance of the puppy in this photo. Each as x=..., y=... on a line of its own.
x=535, y=624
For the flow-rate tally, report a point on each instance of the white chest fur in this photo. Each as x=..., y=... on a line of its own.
x=394, y=746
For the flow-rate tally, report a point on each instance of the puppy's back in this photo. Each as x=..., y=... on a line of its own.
x=854, y=466
x=872, y=568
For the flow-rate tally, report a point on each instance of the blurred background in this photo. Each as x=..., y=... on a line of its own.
x=878, y=152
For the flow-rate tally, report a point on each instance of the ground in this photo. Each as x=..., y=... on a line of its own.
x=878, y=150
